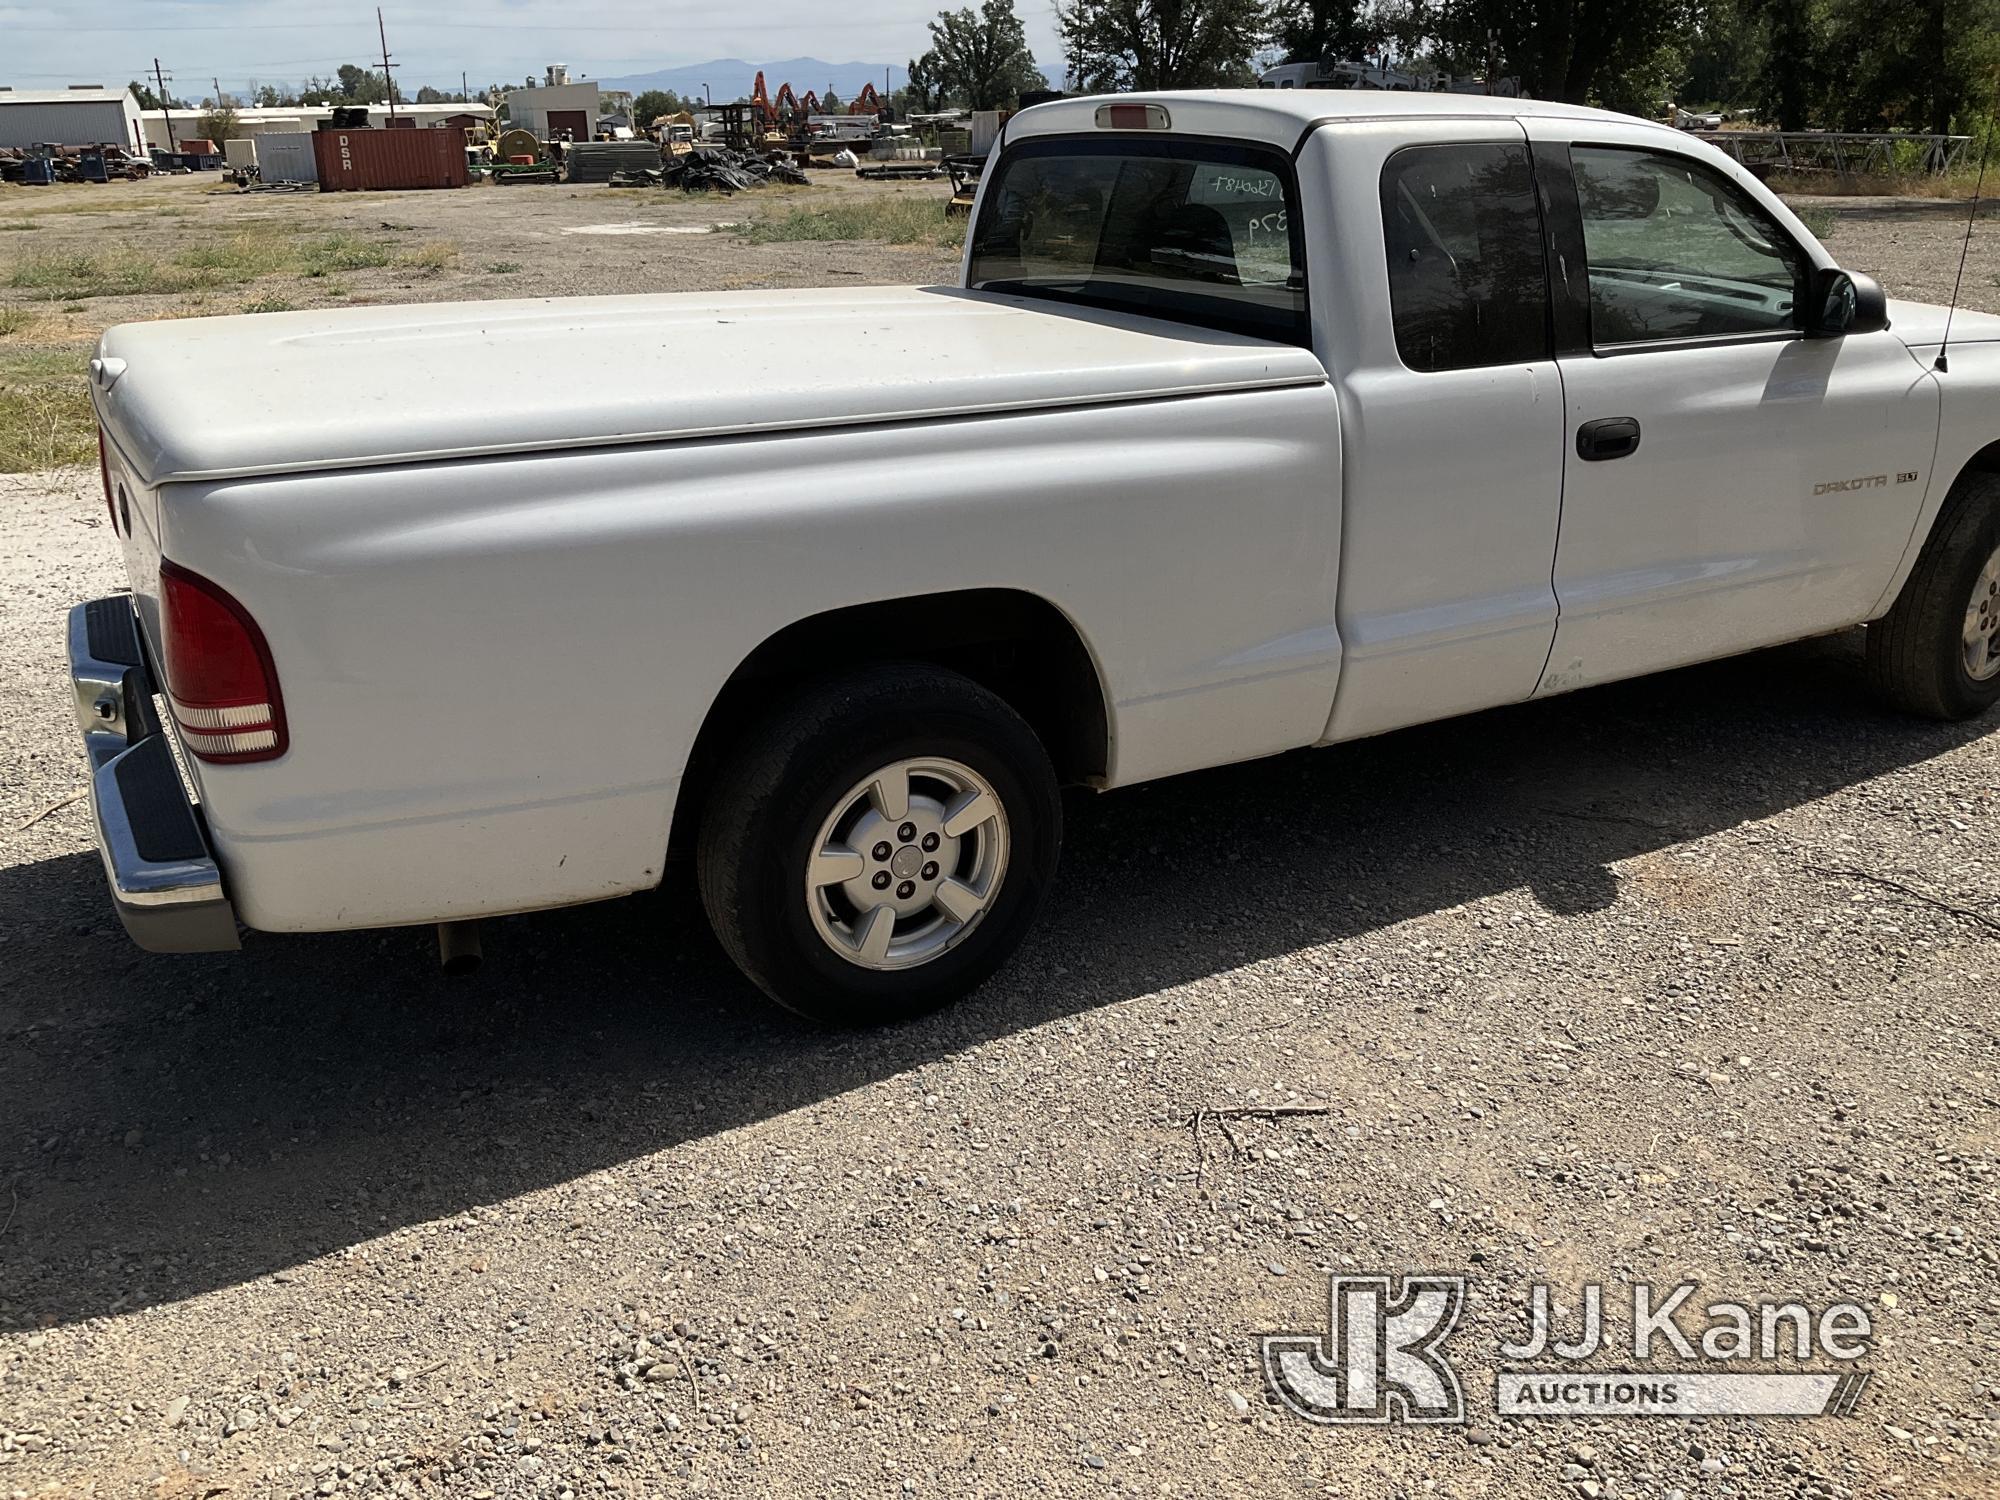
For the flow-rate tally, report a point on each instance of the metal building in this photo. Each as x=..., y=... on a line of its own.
x=557, y=109
x=81, y=115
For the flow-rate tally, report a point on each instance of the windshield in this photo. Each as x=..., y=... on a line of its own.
x=1195, y=231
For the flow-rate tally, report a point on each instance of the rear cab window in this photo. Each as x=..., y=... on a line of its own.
x=1202, y=232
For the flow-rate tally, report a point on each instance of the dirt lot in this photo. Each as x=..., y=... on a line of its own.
x=1687, y=979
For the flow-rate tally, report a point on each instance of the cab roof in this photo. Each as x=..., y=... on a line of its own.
x=1281, y=117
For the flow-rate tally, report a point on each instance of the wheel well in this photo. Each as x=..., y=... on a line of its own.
x=1016, y=645
x=1985, y=461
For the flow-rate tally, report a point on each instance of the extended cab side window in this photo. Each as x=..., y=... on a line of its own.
x=1676, y=251
x=1466, y=282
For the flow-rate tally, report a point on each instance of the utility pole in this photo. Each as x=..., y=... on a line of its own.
x=160, y=81
x=218, y=90
x=464, y=94
x=388, y=78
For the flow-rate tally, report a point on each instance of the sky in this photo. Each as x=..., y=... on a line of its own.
x=493, y=41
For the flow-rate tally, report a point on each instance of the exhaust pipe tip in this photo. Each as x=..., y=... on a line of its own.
x=458, y=947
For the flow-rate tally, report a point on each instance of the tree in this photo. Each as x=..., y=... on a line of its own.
x=148, y=100
x=924, y=93
x=1580, y=51
x=1161, y=44
x=360, y=86
x=1788, y=84
x=1925, y=65
x=219, y=123
x=429, y=95
x=982, y=60
x=653, y=103
x=829, y=102
x=1315, y=30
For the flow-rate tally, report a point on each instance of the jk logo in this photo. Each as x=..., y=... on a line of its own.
x=1379, y=1360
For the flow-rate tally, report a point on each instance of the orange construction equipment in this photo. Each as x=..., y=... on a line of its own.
x=760, y=103
x=867, y=102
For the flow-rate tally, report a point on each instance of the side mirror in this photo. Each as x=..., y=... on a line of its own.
x=1846, y=302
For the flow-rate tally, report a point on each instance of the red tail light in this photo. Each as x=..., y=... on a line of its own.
x=220, y=684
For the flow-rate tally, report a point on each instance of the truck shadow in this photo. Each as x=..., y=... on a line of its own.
x=179, y=1125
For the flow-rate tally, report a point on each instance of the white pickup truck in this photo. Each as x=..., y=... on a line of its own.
x=1260, y=420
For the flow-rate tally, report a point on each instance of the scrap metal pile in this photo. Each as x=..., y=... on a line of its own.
x=717, y=169
x=51, y=163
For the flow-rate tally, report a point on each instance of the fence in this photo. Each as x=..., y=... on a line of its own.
x=1814, y=151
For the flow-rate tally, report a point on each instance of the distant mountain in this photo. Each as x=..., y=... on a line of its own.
x=732, y=78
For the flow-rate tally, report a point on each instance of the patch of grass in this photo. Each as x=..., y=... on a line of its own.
x=907, y=219
x=431, y=257
x=14, y=320
x=503, y=267
x=341, y=252
x=1819, y=220
x=242, y=257
x=45, y=415
x=78, y=274
x=268, y=304
x=1957, y=183
x=16, y=225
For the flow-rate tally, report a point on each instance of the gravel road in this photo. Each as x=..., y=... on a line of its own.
x=1691, y=979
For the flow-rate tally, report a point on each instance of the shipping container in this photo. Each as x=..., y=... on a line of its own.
x=240, y=152
x=385, y=160
x=286, y=158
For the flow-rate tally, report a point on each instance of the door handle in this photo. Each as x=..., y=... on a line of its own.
x=1607, y=437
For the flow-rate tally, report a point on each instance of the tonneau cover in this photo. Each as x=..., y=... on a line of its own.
x=210, y=398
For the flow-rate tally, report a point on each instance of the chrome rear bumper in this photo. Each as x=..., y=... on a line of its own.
x=165, y=883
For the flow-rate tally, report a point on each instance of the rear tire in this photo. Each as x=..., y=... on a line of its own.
x=880, y=844
x=1937, y=652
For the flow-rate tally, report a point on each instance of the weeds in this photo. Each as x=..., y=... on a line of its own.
x=249, y=255
x=1819, y=220
x=268, y=304
x=430, y=257
x=906, y=219
x=76, y=275
x=45, y=415
x=503, y=268
x=1954, y=184
x=341, y=252
x=13, y=320
x=241, y=257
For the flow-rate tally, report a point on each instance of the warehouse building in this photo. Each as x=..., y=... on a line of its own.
x=80, y=115
x=293, y=118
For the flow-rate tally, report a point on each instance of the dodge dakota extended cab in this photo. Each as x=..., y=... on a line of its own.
x=1260, y=420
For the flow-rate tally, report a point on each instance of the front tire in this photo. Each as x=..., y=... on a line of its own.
x=880, y=844
x=1937, y=652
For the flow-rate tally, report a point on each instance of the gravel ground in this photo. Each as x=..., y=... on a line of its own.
x=531, y=241
x=1686, y=979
